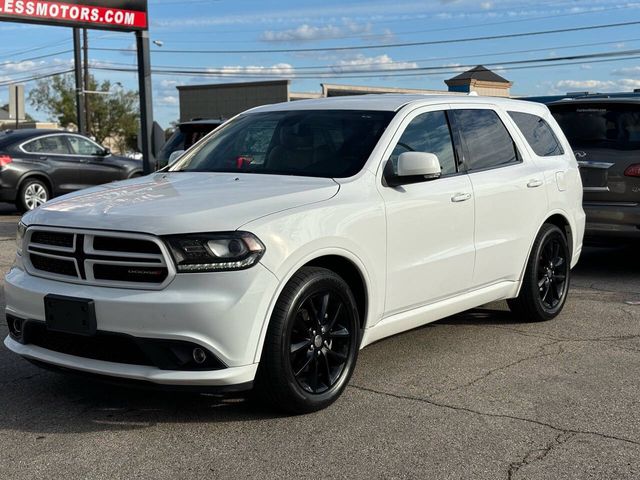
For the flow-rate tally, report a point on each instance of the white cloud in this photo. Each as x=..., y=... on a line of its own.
x=17, y=67
x=309, y=33
x=279, y=69
x=168, y=100
x=627, y=71
x=169, y=83
x=623, y=84
x=364, y=63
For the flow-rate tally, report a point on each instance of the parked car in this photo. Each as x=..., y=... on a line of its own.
x=297, y=234
x=183, y=138
x=605, y=135
x=37, y=165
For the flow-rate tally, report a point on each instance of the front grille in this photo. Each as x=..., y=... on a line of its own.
x=54, y=265
x=97, y=258
x=125, y=245
x=54, y=239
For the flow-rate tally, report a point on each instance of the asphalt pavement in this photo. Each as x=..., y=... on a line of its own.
x=480, y=395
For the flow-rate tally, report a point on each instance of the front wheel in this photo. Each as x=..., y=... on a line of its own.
x=546, y=279
x=312, y=343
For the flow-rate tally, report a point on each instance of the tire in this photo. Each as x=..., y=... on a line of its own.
x=312, y=343
x=32, y=194
x=546, y=279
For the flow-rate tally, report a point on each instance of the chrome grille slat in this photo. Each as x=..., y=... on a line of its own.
x=144, y=270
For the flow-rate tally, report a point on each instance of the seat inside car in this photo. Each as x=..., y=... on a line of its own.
x=298, y=148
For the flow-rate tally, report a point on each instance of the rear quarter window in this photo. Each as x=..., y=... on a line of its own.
x=538, y=134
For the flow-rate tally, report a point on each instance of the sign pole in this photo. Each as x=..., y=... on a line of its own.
x=80, y=111
x=146, y=106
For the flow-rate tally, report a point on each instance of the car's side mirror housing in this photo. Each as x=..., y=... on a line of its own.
x=419, y=163
x=174, y=156
x=415, y=167
x=105, y=152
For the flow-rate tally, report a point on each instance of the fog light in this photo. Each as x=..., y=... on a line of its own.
x=199, y=356
x=16, y=327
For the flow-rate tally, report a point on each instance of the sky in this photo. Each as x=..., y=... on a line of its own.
x=349, y=42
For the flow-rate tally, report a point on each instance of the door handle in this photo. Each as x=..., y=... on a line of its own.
x=461, y=197
x=533, y=183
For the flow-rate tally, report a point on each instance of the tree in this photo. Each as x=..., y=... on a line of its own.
x=114, y=115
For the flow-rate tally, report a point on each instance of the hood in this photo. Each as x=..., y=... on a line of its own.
x=181, y=202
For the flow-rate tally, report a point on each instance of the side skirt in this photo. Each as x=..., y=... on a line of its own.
x=403, y=321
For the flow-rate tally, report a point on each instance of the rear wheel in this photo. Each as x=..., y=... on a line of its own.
x=32, y=194
x=546, y=280
x=312, y=343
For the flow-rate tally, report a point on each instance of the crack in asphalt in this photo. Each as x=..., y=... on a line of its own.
x=538, y=454
x=540, y=354
x=458, y=408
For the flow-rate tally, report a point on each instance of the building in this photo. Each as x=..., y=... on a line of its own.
x=481, y=81
x=224, y=100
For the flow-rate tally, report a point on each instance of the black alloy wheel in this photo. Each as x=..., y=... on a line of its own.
x=547, y=277
x=552, y=272
x=320, y=341
x=312, y=342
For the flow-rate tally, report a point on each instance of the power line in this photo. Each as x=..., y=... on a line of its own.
x=31, y=79
x=374, y=63
x=433, y=70
x=391, y=45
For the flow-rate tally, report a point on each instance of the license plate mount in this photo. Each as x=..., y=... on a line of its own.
x=70, y=315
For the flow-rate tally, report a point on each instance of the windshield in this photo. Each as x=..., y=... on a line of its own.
x=323, y=143
x=615, y=126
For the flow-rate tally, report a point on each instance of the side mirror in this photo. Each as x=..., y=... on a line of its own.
x=174, y=156
x=412, y=164
x=105, y=152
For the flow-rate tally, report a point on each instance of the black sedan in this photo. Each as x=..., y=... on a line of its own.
x=37, y=165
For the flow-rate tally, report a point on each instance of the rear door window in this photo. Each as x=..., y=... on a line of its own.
x=538, y=133
x=52, y=145
x=487, y=140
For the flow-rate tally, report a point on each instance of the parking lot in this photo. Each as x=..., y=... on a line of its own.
x=478, y=395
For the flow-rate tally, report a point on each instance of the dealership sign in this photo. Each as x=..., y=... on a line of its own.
x=103, y=14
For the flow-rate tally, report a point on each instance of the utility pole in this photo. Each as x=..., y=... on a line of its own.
x=87, y=86
x=146, y=102
x=77, y=55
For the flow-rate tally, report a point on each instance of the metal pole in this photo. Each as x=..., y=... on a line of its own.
x=146, y=102
x=87, y=80
x=80, y=113
x=17, y=92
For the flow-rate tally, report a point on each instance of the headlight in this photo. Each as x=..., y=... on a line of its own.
x=22, y=228
x=214, y=252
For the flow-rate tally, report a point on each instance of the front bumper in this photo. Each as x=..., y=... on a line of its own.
x=620, y=220
x=223, y=312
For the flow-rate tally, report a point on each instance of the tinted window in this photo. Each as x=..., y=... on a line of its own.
x=323, y=143
x=600, y=125
x=487, y=140
x=538, y=133
x=183, y=138
x=428, y=133
x=82, y=146
x=55, y=144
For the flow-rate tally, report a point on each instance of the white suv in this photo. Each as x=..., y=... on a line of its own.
x=295, y=235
